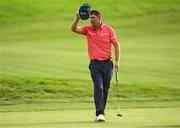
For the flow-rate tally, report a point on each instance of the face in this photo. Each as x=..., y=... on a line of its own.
x=95, y=21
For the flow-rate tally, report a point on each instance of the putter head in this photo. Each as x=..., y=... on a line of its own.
x=119, y=115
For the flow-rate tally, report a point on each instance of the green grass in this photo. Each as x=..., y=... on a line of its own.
x=39, y=20
x=42, y=61
x=144, y=118
x=44, y=76
x=15, y=90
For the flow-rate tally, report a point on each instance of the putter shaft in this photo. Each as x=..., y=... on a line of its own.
x=117, y=93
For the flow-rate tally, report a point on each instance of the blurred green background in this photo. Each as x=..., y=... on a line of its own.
x=42, y=61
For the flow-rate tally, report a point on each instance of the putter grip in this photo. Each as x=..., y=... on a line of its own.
x=116, y=71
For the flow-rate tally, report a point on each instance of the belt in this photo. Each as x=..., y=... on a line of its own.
x=101, y=60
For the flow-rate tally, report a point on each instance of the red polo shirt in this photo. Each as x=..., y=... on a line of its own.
x=99, y=41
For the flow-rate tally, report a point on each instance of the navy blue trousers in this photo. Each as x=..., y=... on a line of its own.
x=101, y=74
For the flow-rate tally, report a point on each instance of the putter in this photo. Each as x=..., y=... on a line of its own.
x=117, y=94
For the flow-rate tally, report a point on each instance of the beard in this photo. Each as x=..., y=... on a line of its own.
x=94, y=24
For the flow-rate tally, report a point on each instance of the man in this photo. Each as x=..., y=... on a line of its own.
x=100, y=38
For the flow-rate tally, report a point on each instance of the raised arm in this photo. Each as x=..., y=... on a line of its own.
x=74, y=25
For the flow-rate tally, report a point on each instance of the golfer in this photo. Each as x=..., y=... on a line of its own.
x=100, y=38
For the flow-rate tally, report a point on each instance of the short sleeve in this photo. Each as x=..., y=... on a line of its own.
x=84, y=30
x=113, y=37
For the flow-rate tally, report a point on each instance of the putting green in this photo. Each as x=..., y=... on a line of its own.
x=146, y=117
